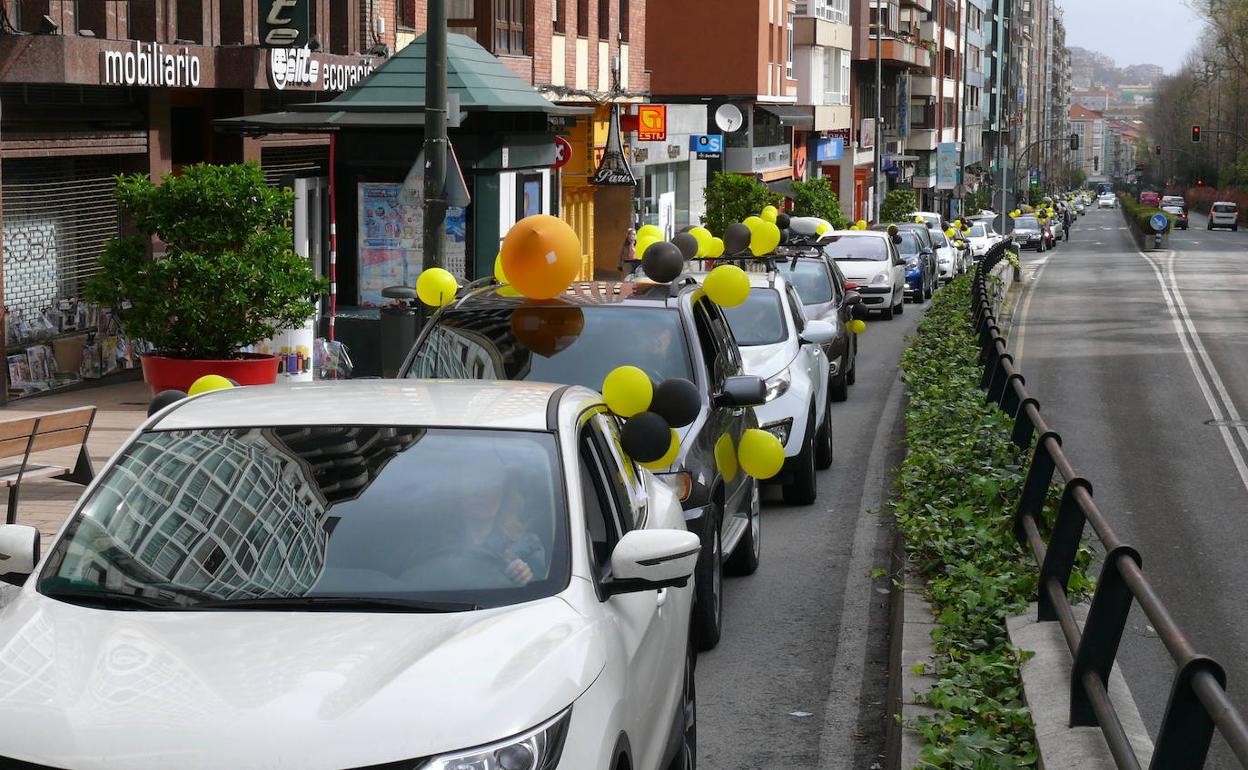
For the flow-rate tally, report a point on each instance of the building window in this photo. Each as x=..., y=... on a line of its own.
x=91, y=15
x=407, y=13
x=190, y=20
x=232, y=22
x=604, y=20
x=582, y=18
x=788, y=55
x=556, y=15
x=624, y=22
x=835, y=76
x=462, y=19
x=141, y=17
x=509, y=27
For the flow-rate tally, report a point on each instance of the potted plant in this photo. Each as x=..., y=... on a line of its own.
x=224, y=275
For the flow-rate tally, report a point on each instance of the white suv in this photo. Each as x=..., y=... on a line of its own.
x=394, y=573
x=1224, y=214
x=779, y=344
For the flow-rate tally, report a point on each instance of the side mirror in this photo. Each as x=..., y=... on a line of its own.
x=851, y=298
x=819, y=332
x=860, y=312
x=650, y=559
x=746, y=390
x=19, y=552
x=925, y=251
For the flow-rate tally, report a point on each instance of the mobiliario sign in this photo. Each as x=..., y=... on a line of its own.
x=150, y=64
x=300, y=68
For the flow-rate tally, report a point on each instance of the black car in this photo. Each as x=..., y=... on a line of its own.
x=1030, y=234
x=820, y=285
x=668, y=330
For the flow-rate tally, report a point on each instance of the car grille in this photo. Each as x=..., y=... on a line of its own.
x=873, y=290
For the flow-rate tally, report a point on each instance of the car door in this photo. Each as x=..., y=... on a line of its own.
x=816, y=360
x=846, y=312
x=899, y=268
x=652, y=636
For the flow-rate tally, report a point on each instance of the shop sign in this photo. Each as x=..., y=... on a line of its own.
x=149, y=65
x=707, y=146
x=613, y=168
x=299, y=67
x=284, y=23
x=829, y=150
x=563, y=152
x=947, y=165
x=652, y=123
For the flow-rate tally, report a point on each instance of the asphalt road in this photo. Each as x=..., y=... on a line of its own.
x=799, y=679
x=1140, y=362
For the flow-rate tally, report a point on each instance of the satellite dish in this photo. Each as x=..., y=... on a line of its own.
x=729, y=118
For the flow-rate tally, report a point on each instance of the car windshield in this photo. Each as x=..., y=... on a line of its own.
x=909, y=245
x=320, y=516
x=979, y=231
x=813, y=280
x=563, y=343
x=1172, y=209
x=938, y=238
x=759, y=320
x=864, y=248
x=1026, y=223
x=1224, y=208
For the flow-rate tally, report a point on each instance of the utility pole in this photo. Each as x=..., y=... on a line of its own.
x=966, y=27
x=1003, y=80
x=879, y=110
x=436, y=139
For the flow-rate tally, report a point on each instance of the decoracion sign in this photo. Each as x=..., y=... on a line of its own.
x=301, y=68
x=284, y=23
x=614, y=170
x=150, y=64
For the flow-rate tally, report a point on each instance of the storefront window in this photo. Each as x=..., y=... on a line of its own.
x=665, y=197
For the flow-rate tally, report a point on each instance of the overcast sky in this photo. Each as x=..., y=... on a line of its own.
x=1154, y=32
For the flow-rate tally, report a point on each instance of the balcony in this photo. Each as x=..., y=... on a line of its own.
x=922, y=139
x=751, y=160
x=899, y=53
x=925, y=5
x=812, y=31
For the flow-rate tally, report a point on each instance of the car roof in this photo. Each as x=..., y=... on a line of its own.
x=1224, y=203
x=582, y=294
x=422, y=403
x=860, y=234
x=768, y=280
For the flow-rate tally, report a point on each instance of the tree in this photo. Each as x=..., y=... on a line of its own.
x=229, y=276
x=976, y=201
x=815, y=198
x=898, y=205
x=730, y=198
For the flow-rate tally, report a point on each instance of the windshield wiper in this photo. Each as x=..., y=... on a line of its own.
x=336, y=604
x=114, y=600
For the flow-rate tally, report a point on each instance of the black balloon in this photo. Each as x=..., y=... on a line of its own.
x=783, y=221
x=163, y=399
x=677, y=401
x=646, y=437
x=785, y=234
x=687, y=244
x=687, y=228
x=663, y=261
x=736, y=239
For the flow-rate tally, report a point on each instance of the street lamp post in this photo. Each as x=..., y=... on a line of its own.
x=879, y=107
x=436, y=139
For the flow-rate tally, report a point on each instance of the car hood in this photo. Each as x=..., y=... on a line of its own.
x=90, y=689
x=768, y=360
x=862, y=270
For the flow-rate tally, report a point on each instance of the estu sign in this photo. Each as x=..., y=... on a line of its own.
x=284, y=23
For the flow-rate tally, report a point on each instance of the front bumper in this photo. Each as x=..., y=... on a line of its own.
x=914, y=283
x=876, y=296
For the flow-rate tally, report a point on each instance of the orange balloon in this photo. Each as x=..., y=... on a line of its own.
x=541, y=256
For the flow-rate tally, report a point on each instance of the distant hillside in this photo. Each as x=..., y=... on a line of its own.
x=1102, y=71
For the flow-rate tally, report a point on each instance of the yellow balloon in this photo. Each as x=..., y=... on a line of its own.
x=822, y=228
x=726, y=457
x=950, y=233
x=436, y=287
x=627, y=391
x=716, y=249
x=861, y=224
x=669, y=457
x=208, y=383
x=753, y=222
x=499, y=275
x=918, y=220
x=649, y=231
x=727, y=286
x=764, y=239
x=761, y=454
x=770, y=213
x=857, y=326
x=704, y=240
x=645, y=243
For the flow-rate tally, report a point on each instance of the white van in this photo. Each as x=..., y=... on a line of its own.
x=1224, y=214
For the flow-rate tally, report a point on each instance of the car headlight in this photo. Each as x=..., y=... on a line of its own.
x=538, y=749
x=780, y=429
x=881, y=278
x=912, y=263
x=778, y=385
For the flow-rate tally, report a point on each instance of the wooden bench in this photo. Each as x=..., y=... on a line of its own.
x=24, y=436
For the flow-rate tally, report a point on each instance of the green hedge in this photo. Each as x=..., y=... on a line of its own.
x=1140, y=214
x=954, y=503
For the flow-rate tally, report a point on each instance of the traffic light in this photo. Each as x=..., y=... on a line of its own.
x=1157, y=149
x=1074, y=142
x=1196, y=134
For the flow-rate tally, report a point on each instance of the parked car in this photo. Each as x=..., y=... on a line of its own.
x=668, y=330
x=780, y=345
x=1224, y=214
x=933, y=220
x=920, y=282
x=1179, y=214
x=1029, y=234
x=307, y=562
x=927, y=248
x=870, y=260
x=948, y=260
x=825, y=296
x=1058, y=228
x=981, y=238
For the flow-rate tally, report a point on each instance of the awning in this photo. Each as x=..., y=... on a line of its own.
x=319, y=122
x=791, y=115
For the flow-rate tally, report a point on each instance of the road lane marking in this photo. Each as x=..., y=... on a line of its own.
x=1184, y=328
x=844, y=702
x=1029, y=290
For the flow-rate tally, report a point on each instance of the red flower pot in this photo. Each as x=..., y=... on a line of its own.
x=164, y=373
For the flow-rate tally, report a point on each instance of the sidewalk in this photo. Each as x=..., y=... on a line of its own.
x=44, y=503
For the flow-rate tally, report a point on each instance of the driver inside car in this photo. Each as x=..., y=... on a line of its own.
x=492, y=524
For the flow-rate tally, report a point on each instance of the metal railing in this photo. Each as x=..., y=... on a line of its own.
x=1198, y=702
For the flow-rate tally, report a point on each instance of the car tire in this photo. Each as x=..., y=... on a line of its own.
x=887, y=314
x=823, y=442
x=930, y=290
x=687, y=757
x=1234, y=228
x=838, y=386
x=900, y=307
x=803, y=489
x=708, y=596
x=851, y=375
x=749, y=551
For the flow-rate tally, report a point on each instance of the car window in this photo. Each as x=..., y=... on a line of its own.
x=909, y=245
x=938, y=238
x=733, y=363
x=569, y=344
x=382, y=512
x=1172, y=209
x=622, y=474
x=978, y=231
x=759, y=320
x=857, y=248
x=1224, y=208
x=601, y=527
x=812, y=280
x=795, y=309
